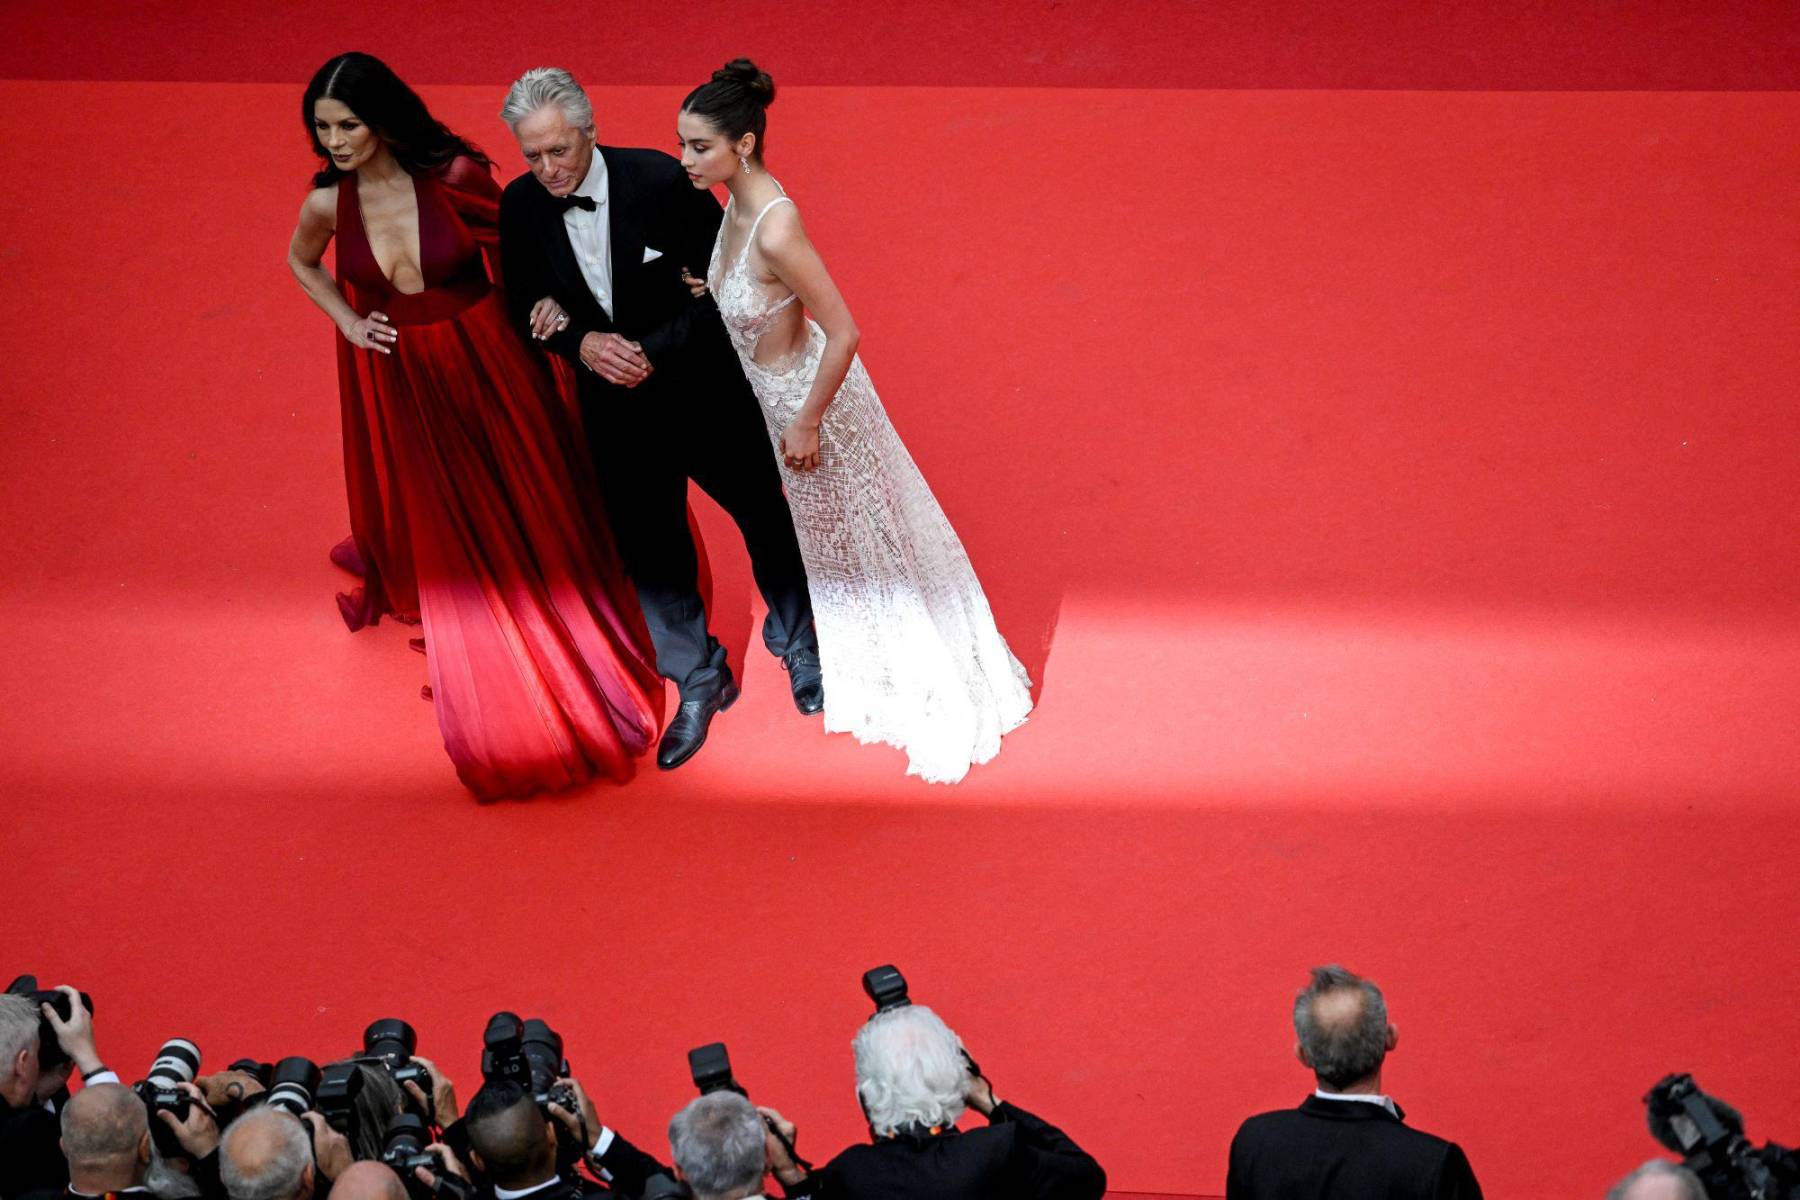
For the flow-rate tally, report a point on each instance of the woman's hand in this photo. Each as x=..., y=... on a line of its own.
x=547, y=317
x=372, y=333
x=694, y=284
x=800, y=445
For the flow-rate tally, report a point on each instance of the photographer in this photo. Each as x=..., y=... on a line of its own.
x=106, y=1137
x=30, y=1156
x=721, y=1148
x=914, y=1081
x=513, y=1143
x=269, y=1154
x=1658, y=1179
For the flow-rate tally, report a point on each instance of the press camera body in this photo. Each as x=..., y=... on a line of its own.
x=51, y=1054
x=1709, y=1135
x=176, y=1063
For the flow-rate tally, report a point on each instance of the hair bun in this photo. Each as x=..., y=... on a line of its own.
x=750, y=77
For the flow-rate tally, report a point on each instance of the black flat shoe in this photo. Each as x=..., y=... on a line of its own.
x=806, y=679
x=687, y=732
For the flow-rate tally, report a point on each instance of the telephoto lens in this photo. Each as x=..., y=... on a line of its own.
x=886, y=986
x=176, y=1063
x=390, y=1038
x=542, y=1047
x=293, y=1084
x=404, y=1147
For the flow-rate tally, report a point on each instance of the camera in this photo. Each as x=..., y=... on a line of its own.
x=393, y=1042
x=1709, y=1135
x=293, y=1084
x=339, y=1085
x=51, y=1054
x=710, y=1066
x=177, y=1062
x=529, y=1053
x=886, y=986
x=406, y=1148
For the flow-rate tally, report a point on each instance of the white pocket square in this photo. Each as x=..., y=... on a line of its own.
x=651, y=255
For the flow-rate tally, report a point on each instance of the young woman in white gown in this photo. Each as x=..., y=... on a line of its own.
x=907, y=642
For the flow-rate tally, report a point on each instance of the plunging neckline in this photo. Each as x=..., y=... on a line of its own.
x=362, y=219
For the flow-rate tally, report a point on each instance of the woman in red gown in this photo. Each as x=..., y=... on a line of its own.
x=471, y=507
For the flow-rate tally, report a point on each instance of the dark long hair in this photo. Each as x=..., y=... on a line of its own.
x=369, y=88
x=735, y=101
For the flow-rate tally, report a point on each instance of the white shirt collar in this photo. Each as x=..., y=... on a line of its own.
x=1386, y=1102
x=501, y=1193
x=593, y=184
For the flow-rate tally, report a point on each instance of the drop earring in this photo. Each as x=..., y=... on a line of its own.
x=744, y=162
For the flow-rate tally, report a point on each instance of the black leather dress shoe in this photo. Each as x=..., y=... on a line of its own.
x=806, y=679
x=687, y=732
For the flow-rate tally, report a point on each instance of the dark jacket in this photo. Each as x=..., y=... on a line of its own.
x=1017, y=1155
x=31, y=1157
x=1344, y=1150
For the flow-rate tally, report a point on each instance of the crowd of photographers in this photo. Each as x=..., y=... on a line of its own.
x=385, y=1124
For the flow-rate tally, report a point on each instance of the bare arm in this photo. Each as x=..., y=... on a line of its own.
x=790, y=255
x=306, y=251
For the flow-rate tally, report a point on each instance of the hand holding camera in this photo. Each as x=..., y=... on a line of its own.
x=441, y=1103
x=331, y=1149
x=196, y=1131
x=449, y=1178
x=778, y=1143
x=75, y=1030
x=570, y=1105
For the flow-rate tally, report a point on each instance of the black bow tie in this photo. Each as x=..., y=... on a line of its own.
x=565, y=203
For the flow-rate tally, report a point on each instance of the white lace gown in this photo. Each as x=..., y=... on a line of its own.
x=907, y=641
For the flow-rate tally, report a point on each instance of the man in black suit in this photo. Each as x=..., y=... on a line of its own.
x=1347, y=1141
x=106, y=1136
x=513, y=1145
x=914, y=1081
x=606, y=233
x=32, y=1078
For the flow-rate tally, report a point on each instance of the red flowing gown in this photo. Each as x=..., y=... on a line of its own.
x=472, y=507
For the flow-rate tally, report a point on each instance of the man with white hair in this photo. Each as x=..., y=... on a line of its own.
x=914, y=1081
x=1658, y=1179
x=31, y=1157
x=269, y=1154
x=607, y=234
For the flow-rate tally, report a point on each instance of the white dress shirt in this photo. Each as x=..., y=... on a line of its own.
x=590, y=234
x=1386, y=1102
x=602, y=1144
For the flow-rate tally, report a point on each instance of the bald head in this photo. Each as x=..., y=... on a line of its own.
x=106, y=1138
x=1341, y=1021
x=368, y=1181
x=266, y=1155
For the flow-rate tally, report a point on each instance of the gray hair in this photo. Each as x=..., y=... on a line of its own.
x=165, y=1182
x=278, y=1149
x=1343, y=1052
x=541, y=87
x=102, y=1126
x=19, y=1020
x=1687, y=1183
x=910, y=1070
x=717, y=1141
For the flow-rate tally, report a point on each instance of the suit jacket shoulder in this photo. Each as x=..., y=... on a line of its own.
x=1343, y=1149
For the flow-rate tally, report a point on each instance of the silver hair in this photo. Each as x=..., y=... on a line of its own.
x=165, y=1182
x=278, y=1175
x=717, y=1141
x=541, y=87
x=1686, y=1181
x=19, y=1020
x=1341, y=1055
x=910, y=1070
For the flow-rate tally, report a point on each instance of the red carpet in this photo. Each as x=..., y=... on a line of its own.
x=1392, y=492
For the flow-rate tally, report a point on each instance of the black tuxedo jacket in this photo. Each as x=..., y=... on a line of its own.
x=650, y=205
x=1017, y=1155
x=1344, y=1150
x=31, y=1157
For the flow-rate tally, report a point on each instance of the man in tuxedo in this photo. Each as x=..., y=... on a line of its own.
x=1348, y=1140
x=106, y=1137
x=31, y=1157
x=513, y=1143
x=607, y=233
x=914, y=1081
